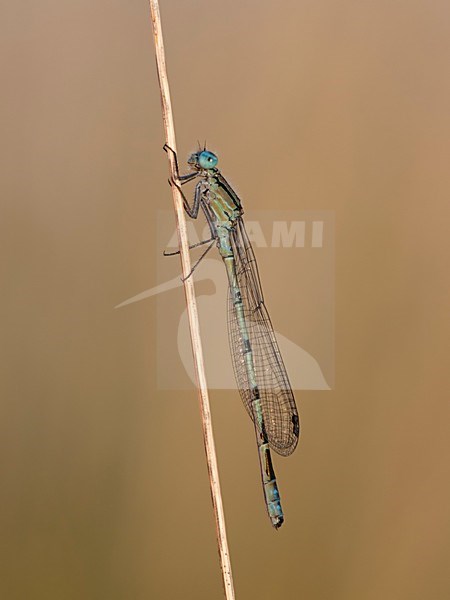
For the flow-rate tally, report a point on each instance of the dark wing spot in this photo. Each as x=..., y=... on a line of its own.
x=296, y=425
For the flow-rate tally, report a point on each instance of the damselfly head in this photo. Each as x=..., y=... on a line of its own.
x=203, y=159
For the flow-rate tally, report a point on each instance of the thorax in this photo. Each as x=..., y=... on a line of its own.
x=220, y=204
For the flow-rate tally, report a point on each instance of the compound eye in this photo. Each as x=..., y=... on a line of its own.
x=207, y=160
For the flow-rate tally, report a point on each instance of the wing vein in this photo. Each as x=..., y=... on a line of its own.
x=281, y=418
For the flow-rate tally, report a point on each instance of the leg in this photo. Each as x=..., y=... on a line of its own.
x=182, y=179
x=197, y=263
x=192, y=211
x=190, y=247
x=167, y=148
x=209, y=220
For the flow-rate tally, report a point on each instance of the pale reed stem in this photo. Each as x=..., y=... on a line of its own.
x=192, y=309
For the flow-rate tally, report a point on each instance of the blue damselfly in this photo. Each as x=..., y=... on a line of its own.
x=259, y=369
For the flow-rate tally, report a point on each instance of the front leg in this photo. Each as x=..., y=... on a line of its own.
x=180, y=180
x=168, y=149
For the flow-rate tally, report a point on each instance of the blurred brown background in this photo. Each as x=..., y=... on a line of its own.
x=341, y=106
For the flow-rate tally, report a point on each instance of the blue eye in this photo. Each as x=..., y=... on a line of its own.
x=207, y=160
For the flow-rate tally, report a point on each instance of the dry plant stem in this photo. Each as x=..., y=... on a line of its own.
x=192, y=309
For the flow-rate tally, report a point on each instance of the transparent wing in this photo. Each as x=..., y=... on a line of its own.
x=281, y=418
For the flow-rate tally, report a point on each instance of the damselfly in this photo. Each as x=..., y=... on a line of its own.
x=259, y=369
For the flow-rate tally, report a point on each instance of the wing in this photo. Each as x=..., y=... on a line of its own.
x=281, y=418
